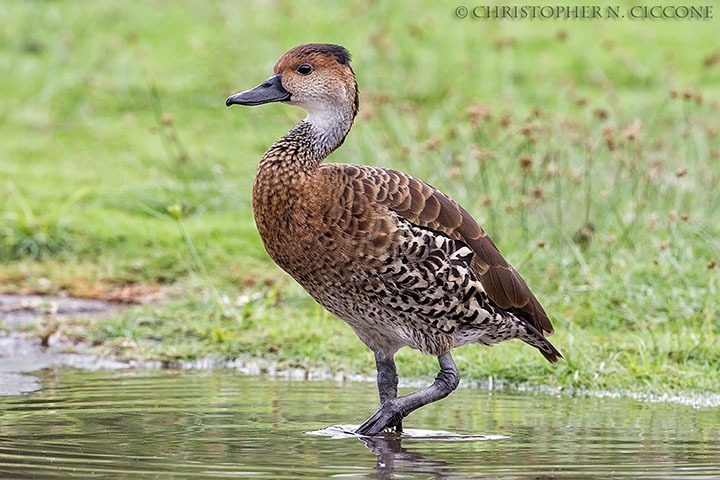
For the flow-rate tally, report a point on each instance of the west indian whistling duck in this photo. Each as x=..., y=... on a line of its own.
x=399, y=261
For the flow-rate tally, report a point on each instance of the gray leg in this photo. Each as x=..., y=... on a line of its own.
x=387, y=381
x=393, y=410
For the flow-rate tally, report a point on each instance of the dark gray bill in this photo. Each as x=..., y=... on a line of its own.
x=271, y=90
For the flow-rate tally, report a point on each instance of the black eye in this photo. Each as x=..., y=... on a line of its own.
x=305, y=69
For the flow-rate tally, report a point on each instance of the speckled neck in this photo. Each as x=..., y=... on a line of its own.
x=312, y=140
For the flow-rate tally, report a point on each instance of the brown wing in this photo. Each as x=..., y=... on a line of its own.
x=425, y=206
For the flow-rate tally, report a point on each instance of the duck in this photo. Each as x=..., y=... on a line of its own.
x=399, y=261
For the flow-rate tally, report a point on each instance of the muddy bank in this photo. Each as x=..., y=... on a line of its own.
x=21, y=310
x=26, y=347
x=24, y=350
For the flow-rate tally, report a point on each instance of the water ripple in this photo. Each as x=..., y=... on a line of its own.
x=218, y=424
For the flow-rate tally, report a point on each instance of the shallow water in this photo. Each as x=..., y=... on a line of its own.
x=219, y=424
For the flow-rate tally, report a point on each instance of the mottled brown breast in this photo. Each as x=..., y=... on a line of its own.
x=317, y=222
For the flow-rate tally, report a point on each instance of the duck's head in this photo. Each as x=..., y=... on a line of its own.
x=316, y=77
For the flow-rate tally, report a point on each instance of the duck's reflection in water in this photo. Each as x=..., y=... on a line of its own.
x=393, y=458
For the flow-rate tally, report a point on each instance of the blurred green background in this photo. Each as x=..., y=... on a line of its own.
x=588, y=149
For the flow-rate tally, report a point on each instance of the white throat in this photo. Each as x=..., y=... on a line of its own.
x=329, y=125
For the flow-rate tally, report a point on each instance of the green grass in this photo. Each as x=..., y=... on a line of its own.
x=589, y=150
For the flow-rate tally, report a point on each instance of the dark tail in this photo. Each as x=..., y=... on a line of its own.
x=536, y=339
x=549, y=351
